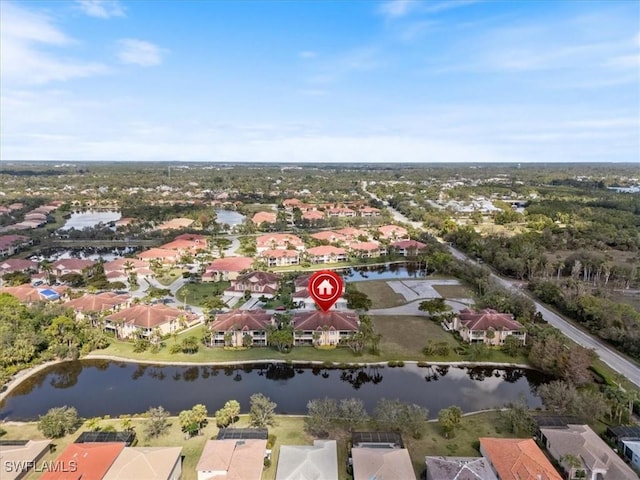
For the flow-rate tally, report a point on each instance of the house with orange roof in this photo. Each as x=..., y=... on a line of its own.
x=340, y=212
x=323, y=328
x=278, y=241
x=351, y=233
x=228, y=268
x=141, y=320
x=328, y=236
x=369, y=212
x=280, y=258
x=118, y=270
x=290, y=203
x=258, y=283
x=175, y=224
x=393, y=232
x=86, y=461
x=27, y=293
x=163, y=255
x=517, y=459
x=71, y=265
x=326, y=254
x=366, y=249
x=312, y=215
x=12, y=265
x=233, y=328
x=232, y=460
x=264, y=217
x=488, y=326
x=407, y=247
x=93, y=303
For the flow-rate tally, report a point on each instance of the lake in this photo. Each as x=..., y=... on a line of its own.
x=100, y=387
x=90, y=219
x=383, y=272
x=229, y=217
x=90, y=253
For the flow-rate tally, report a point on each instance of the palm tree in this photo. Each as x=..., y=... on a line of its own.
x=47, y=267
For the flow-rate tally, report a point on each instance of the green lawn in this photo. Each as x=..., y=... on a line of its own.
x=289, y=430
x=166, y=278
x=453, y=291
x=200, y=292
x=380, y=293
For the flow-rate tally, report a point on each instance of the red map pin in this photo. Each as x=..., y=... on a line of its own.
x=325, y=287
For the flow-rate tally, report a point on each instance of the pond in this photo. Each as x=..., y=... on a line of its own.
x=90, y=253
x=229, y=217
x=90, y=219
x=100, y=387
x=383, y=272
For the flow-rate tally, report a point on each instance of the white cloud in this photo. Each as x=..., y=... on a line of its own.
x=393, y=9
x=101, y=8
x=307, y=54
x=24, y=35
x=397, y=8
x=139, y=52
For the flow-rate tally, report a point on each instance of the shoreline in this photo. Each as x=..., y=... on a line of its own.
x=29, y=372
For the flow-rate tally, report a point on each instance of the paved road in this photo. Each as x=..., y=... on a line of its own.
x=616, y=361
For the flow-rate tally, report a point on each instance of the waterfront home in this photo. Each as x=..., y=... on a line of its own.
x=86, y=461
x=162, y=255
x=393, y=232
x=12, y=265
x=232, y=459
x=407, y=247
x=323, y=328
x=257, y=283
x=459, y=468
x=228, y=268
x=25, y=453
x=11, y=244
x=147, y=463
x=280, y=258
x=517, y=459
x=141, y=320
x=278, y=241
x=302, y=298
x=187, y=243
x=94, y=303
x=230, y=329
x=175, y=224
x=366, y=249
x=488, y=326
x=326, y=254
x=317, y=461
x=264, y=217
x=71, y=265
x=380, y=459
x=595, y=459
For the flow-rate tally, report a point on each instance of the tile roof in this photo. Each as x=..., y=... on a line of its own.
x=29, y=452
x=364, y=246
x=382, y=464
x=308, y=462
x=176, y=223
x=72, y=264
x=269, y=217
x=144, y=463
x=242, y=319
x=92, y=460
x=459, y=468
x=149, y=316
x=313, y=215
x=233, y=459
x=10, y=240
x=230, y=264
x=26, y=293
x=326, y=250
x=17, y=265
x=328, y=236
x=258, y=277
x=334, y=319
x=488, y=319
x=280, y=253
x=518, y=459
x=90, y=302
x=161, y=253
x=278, y=239
x=409, y=244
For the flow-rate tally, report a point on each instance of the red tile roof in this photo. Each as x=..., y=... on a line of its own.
x=279, y=239
x=230, y=264
x=241, y=319
x=269, y=217
x=392, y=230
x=333, y=319
x=10, y=240
x=352, y=232
x=149, y=316
x=313, y=215
x=91, y=461
x=77, y=264
x=364, y=246
x=409, y=244
x=160, y=253
x=17, y=265
x=328, y=236
x=258, y=277
x=280, y=253
x=518, y=459
x=97, y=302
x=27, y=293
x=326, y=250
x=488, y=319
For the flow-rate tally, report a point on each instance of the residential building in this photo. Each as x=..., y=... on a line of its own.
x=175, y=224
x=340, y=212
x=187, y=243
x=92, y=303
x=237, y=324
x=258, y=283
x=517, y=459
x=581, y=443
x=86, y=461
x=488, y=326
x=141, y=320
x=71, y=265
x=407, y=247
x=280, y=258
x=375, y=462
x=278, y=241
x=312, y=215
x=232, y=459
x=22, y=456
x=12, y=265
x=631, y=451
x=351, y=234
x=366, y=249
x=306, y=462
x=229, y=268
x=303, y=299
x=393, y=232
x=118, y=270
x=326, y=254
x=147, y=463
x=459, y=468
x=27, y=293
x=162, y=255
x=323, y=328
x=11, y=244
x=328, y=236
x=369, y=212
x=264, y=217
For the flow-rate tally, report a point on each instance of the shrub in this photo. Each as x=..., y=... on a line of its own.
x=58, y=422
x=271, y=440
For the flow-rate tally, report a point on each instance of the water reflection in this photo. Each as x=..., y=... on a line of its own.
x=115, y=388
x=384, y=272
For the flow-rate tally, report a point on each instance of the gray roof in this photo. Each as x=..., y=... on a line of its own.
x=459, y=468
x=306, y=462
x=593, y=452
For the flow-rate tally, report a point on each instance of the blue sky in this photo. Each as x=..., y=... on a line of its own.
x=320, y=81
